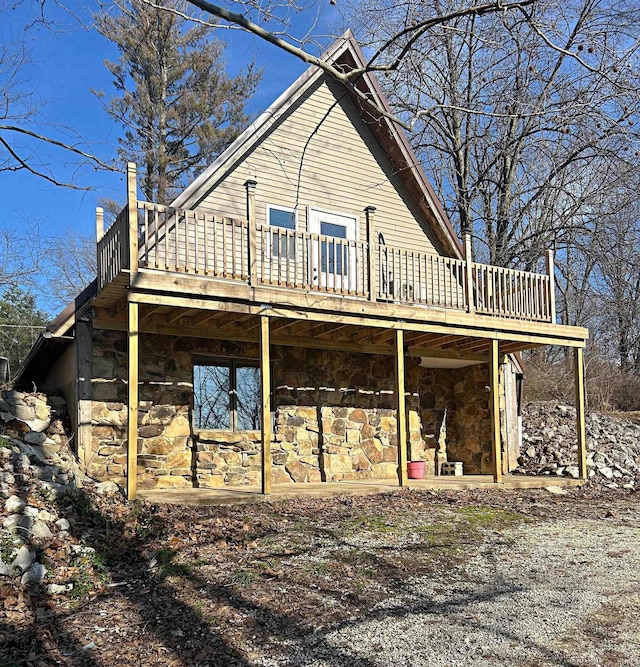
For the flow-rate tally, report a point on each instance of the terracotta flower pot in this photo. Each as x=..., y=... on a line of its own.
x=415, y=469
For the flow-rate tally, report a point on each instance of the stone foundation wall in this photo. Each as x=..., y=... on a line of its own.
x=334, y=416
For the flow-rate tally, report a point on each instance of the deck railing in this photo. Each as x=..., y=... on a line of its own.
x=511, y=293
x=195, y=242
x=288, y=258
x=113, y=250
x=201, y=243
x=414, y=277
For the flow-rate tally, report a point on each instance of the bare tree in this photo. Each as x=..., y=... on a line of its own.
x=27, y=142
x=71, y=266
x=23, y=253
x=617, y=277
x=516, y=114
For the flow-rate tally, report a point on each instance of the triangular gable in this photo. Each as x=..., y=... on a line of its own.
x=345, y=53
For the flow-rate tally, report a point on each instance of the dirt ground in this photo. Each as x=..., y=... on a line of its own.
x=411, y=578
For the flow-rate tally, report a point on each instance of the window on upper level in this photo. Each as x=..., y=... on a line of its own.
x=282, y=244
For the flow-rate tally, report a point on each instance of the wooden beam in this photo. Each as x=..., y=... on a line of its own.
x=480, y=326
x=207, y=316
x=265, y=391
x=284, y=301
x=381, y=338
x=580, y=409
x=281, y=323
x=148, y=313
x=447, y=342
x=494, y=406
x=473, y=344
x=299, y=328
x=229, y=319
x=132, y=402
x=365, y=332
x=333, y=330
x=118, y=307
x=449, y=354
x=401, y=408
x=417, y=338
x=132, y=210
x=177, y=314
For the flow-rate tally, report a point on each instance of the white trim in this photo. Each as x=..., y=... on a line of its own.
x=268, y=207
x=340, y=214
x=351, y=224
x=277, y=207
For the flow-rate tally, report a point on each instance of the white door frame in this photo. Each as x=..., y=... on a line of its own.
x=318, y=277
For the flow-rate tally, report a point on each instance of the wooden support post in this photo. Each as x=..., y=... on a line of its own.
x=468, y=273
x=494, y=405
x=132, y=210
x=582, y=437
x=84, y=348
x=99, y=223
x=552, y=287
x=370, y=213
x=132, y=403
x=250, y=187
x=265, y=390
x=401, y=409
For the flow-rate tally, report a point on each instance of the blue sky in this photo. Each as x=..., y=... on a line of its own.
x=65, y=64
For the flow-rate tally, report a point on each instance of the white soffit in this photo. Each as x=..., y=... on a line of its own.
x=440, y=362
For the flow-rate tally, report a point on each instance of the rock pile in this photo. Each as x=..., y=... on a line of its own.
x=549, y=446
x=37, y=472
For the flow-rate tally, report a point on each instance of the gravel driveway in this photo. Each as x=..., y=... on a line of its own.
x=558, y=592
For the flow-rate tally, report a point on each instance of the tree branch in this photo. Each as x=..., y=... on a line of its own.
x=59, y=144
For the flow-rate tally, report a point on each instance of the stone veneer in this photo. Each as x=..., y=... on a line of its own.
x=334, y=416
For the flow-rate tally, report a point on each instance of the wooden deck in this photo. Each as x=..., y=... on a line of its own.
x=252, y=494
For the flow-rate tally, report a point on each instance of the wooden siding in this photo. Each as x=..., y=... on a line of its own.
x=320, y=154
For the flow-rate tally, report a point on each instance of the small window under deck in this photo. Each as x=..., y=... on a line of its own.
x=226, y=395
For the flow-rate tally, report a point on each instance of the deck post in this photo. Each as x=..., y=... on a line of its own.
x=250, y=187
x=494, y=405
x=552, y=287
x=468, y=272
x=99, y=223
x=370, y=213
x=401, y=411
x=265, y=414
x=132, y=210
x=132, y=402
x=580, y=427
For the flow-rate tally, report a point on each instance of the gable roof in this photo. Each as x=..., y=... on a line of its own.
x=345, y=53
